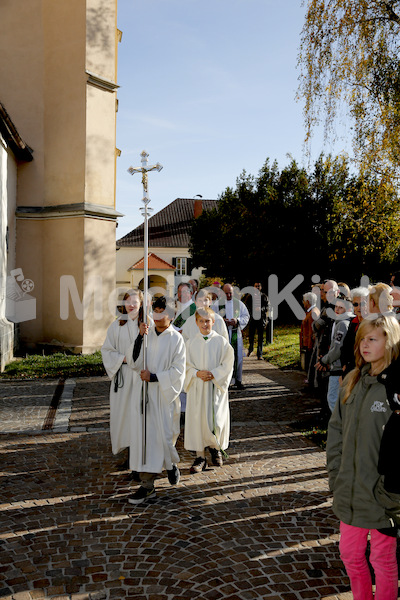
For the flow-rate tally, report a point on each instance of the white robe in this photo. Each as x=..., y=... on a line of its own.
x=190, y=328
x=243, y=318
x=165, y=358
x=207, y=407
x=118, y=344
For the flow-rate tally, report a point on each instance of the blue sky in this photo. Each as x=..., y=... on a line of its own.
x=207, y=89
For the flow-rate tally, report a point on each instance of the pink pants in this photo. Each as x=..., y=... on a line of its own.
x=352, y=546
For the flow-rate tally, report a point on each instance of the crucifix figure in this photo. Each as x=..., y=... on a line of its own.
x=144, y=169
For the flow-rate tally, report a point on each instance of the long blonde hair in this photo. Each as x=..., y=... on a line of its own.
x=391, y=330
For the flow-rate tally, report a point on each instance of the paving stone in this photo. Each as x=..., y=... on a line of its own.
x=260, y=527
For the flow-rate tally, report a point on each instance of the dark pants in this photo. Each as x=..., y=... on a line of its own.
x=256, y=325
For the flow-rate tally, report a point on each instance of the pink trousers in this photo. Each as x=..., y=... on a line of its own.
x=352, y=546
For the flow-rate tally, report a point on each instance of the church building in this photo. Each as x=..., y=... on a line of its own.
x=58, y=96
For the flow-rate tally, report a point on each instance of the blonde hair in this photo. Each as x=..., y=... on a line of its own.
x=204, y=313
x=391, y=330
x=380, y=294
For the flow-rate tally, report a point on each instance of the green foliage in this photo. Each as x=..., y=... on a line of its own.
x=329, y=222
x=55, y=366
x=349, y=57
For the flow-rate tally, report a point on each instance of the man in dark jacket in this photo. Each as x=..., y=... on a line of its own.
x=257, y=305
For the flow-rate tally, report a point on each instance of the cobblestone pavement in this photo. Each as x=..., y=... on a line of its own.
x=260, y=527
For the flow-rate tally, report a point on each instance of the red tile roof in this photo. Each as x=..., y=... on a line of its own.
x=155, y=264
x=170, y=227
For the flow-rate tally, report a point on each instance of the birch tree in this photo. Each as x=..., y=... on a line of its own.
x=350, y=58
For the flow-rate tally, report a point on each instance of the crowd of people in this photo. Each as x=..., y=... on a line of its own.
x=350, y=341
x=171, y=366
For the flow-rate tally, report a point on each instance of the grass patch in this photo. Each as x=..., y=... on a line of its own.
x=284, y=352
x=55, y=366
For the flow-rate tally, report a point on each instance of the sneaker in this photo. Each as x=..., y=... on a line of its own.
x=216, y=457
x=173, y=475
x=141, y=495
x=199, y=465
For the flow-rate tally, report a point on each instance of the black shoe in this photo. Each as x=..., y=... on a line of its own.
x=134, y=476
x=216, y=457
x=239, y=385
x=199, y=465
x=173, y=475
x=141, y=495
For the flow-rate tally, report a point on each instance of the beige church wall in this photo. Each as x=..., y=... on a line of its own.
x=47, y=99
x=63, y=257
x=87, y=268
x=100, y=153
x=29, y=258
x=22, y=79
x=101, y=38
x=65, y=101
x=100, y=264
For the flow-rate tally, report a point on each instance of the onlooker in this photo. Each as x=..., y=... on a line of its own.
x=322, y=328
x=195, y=287
x=380, y=299
x=395, y=285
x=344, y=289
x=359, y=300
x=258, y=322
x=306, y=331
x=331, y=360
x=353, y=447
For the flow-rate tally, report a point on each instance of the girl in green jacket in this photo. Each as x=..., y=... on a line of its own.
x=354, y=439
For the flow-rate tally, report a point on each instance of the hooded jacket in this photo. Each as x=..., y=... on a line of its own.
x=354, y=438
x=339, y=331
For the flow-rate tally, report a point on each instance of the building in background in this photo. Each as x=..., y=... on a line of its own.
x=169, y=256
x=58, y=74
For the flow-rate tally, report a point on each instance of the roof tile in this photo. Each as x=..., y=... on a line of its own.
x=170, y=227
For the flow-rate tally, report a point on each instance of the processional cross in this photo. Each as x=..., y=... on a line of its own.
x=144, y=170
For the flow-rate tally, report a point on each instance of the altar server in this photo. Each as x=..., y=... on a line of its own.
x=164, y=376
x=209, y=364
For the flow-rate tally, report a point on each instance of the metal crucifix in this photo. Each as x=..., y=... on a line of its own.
x=144, y=169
